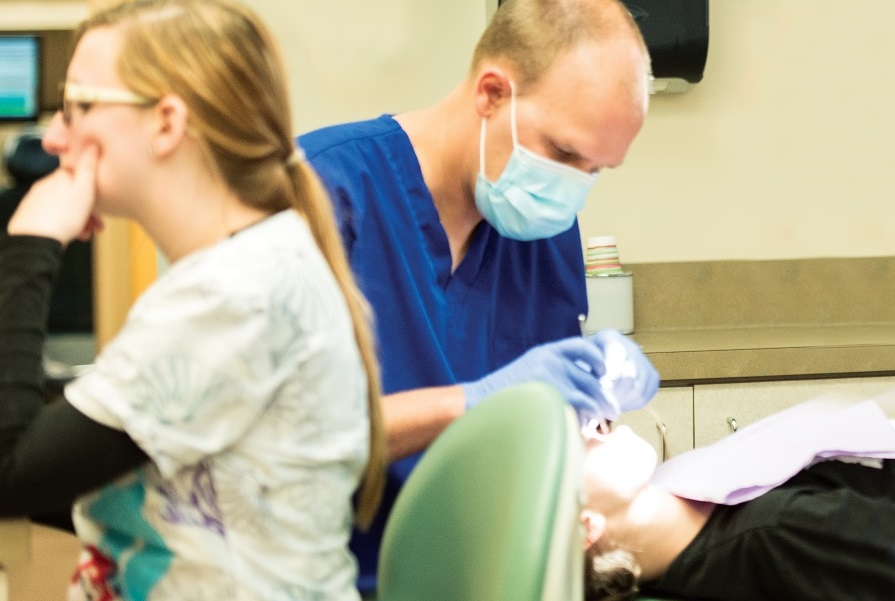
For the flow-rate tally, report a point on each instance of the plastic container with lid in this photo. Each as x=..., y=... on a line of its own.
x=610, y=289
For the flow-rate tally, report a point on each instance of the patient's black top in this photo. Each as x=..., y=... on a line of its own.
x=827, y=534
x=49, y=453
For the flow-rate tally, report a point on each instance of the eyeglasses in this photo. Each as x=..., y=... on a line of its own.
x=84, y=97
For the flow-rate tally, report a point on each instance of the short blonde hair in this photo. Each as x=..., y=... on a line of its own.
x=531, y=34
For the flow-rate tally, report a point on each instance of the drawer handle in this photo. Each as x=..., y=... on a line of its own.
x=663, y=431
x=732, y=422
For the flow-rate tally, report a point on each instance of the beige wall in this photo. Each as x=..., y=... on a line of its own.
x=359, y=59
x=783, y=151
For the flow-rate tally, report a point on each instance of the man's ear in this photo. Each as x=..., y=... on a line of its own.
x=492, y=88
x=594, y=527
x=169, y=126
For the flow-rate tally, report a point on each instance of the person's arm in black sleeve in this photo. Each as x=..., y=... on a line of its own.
x=49, y=454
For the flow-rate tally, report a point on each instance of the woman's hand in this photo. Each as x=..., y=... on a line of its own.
x=61, y=204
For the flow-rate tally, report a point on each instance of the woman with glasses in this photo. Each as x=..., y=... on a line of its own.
x=229, y=436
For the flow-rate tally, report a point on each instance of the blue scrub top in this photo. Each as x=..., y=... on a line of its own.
x=434, y=327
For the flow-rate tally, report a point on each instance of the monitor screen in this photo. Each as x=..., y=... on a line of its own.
x=19, y=77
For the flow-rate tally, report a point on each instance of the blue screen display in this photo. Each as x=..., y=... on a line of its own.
x=19, y=77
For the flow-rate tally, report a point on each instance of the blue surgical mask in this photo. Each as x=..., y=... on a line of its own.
x=534, y=197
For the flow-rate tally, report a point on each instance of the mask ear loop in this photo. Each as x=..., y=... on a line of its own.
x=482, y=147
x=513, y=114
x=512, y=130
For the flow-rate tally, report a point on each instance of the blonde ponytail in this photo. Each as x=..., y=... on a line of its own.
x=312, y=201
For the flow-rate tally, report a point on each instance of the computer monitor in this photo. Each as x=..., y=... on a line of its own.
x=19, y=77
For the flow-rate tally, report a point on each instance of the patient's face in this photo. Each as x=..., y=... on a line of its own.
x=616, y=467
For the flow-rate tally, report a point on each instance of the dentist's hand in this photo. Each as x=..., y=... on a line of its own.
x=61, y=204
x=578, y=368
x=566, y=364
x=628, y=379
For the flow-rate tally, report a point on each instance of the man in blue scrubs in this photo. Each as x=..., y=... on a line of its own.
x=460, y=224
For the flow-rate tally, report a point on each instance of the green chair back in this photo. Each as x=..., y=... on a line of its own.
x=490, y=513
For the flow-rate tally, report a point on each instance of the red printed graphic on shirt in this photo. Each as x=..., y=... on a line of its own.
x=92, y=579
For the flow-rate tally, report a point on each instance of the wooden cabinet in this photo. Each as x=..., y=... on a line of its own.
x=14, y=541
x=15, y=548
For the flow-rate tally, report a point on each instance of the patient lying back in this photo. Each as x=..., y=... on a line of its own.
x=825, y=533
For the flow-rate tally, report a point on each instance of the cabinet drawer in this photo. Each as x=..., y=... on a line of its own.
x=720, y=408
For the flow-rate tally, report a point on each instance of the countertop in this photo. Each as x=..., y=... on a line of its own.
x=720, y=321
x=705, y=355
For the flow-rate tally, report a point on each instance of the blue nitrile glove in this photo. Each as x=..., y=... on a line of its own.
x=572, y=365
x=601, y=376
x=628, y=380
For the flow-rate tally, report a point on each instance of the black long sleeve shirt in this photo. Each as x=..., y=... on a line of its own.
x=49, y=453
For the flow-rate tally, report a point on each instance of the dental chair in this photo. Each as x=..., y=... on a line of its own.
x=490, y=513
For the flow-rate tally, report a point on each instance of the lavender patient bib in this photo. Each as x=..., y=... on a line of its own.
x=767, y=453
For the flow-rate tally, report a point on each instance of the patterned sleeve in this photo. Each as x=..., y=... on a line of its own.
x=193, y=368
